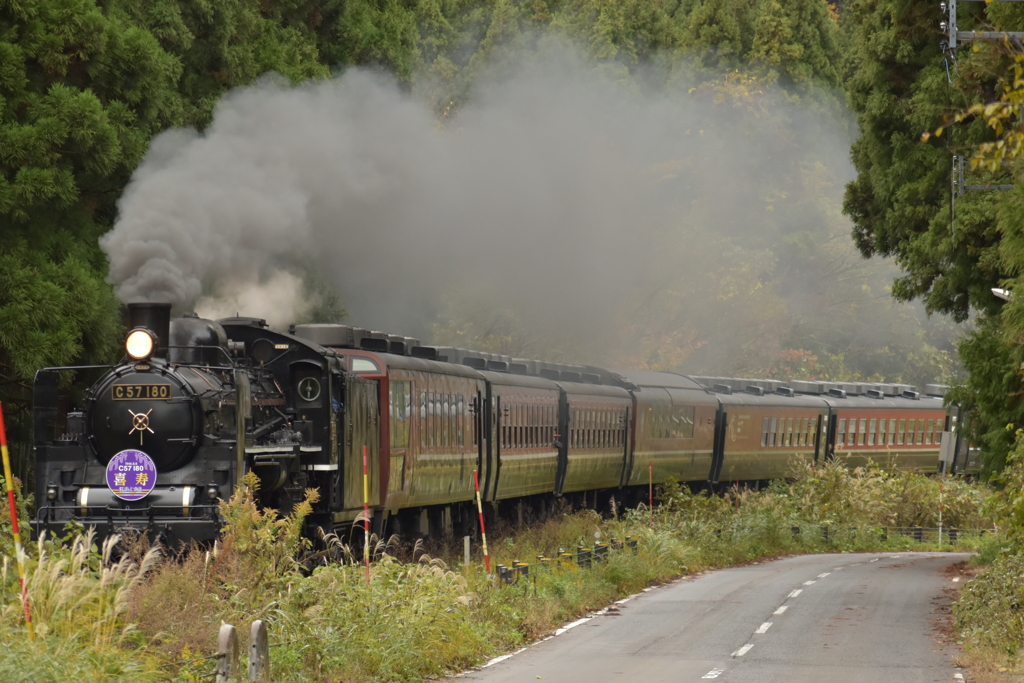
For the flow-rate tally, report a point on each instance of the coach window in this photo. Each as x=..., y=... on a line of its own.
x=841, y=440
x=774, y=427
x=363, y=365
x=872, y=426
x=920, y=432
x=929, y=427
x=765, y=426
x=892, y=432
x=851, y=439
x=938, y=431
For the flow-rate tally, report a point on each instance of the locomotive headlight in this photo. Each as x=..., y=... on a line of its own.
x=212, y=492
x=51, y=492
x=140, y=343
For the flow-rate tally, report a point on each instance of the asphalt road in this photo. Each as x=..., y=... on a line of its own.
x=815, y=619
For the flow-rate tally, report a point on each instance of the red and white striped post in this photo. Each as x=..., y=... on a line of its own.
x=19, y=550
x=483, y=530
x=366, y=516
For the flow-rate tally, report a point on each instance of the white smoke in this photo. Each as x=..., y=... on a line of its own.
x=279, y=300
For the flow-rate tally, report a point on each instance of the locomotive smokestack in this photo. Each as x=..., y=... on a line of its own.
x=157, y=319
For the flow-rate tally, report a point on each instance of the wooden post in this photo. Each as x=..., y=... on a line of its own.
x=19, y=550
x=650, y=490
x=366, y=514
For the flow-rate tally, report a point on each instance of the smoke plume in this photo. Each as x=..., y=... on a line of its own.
x=559, y=198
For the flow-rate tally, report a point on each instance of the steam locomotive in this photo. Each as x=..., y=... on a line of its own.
x=159, y=439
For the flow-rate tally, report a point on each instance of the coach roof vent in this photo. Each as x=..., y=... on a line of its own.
x=912, y=395
x=721, y=389
x=401, y=346
x=803, y=387
x=590, y=378
x=785, y=391
x=518, y=368
x=570, y=376
x=875, y=393
x=837, y=393
x=475, y=362
x=374, y=341
x=756, y=391
x=497, y=365
x=424, y=352
x=936, y=390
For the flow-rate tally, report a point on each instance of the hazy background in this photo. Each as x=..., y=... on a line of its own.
x=687, y=223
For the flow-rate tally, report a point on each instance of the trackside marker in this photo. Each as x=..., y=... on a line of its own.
x=743, y=650
x=764, y=627
x=483, y=531
x=714, y=673
x=19, y=551
x=781, y=609
x=797, y=592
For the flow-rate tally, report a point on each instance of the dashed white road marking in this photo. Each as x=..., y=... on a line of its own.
x=764, y=627
x=822, y=576
x=743, y=650
x=795, y=593
x=808, y=583
x=714, y=673
x=781, y=609
x=572, y=625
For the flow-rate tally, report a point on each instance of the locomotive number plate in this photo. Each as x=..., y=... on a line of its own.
x=143, y=392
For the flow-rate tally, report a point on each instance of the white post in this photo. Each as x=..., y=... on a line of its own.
x=465, y=550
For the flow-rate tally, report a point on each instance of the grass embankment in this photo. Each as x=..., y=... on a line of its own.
x=138, y=619
x=989, y=616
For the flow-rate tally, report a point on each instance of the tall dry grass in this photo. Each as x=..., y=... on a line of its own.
x=104, y=617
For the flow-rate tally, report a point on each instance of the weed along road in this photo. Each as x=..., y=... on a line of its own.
x=807, y=619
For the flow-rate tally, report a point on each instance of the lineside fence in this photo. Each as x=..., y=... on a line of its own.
x=584, y=557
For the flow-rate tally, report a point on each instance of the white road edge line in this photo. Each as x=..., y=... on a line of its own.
x=572, y=625
x=764, y=627
x=714, y=673
x=781, y=609
x=808, y=583
x=743, y=650
x=876, y=559
x=822, y=576
x=502, y=658
x=795, y=593
x=958, y=677
x=955, y=579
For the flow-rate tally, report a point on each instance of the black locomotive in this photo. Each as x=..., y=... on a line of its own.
x=196, y=404
x=205, y=402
